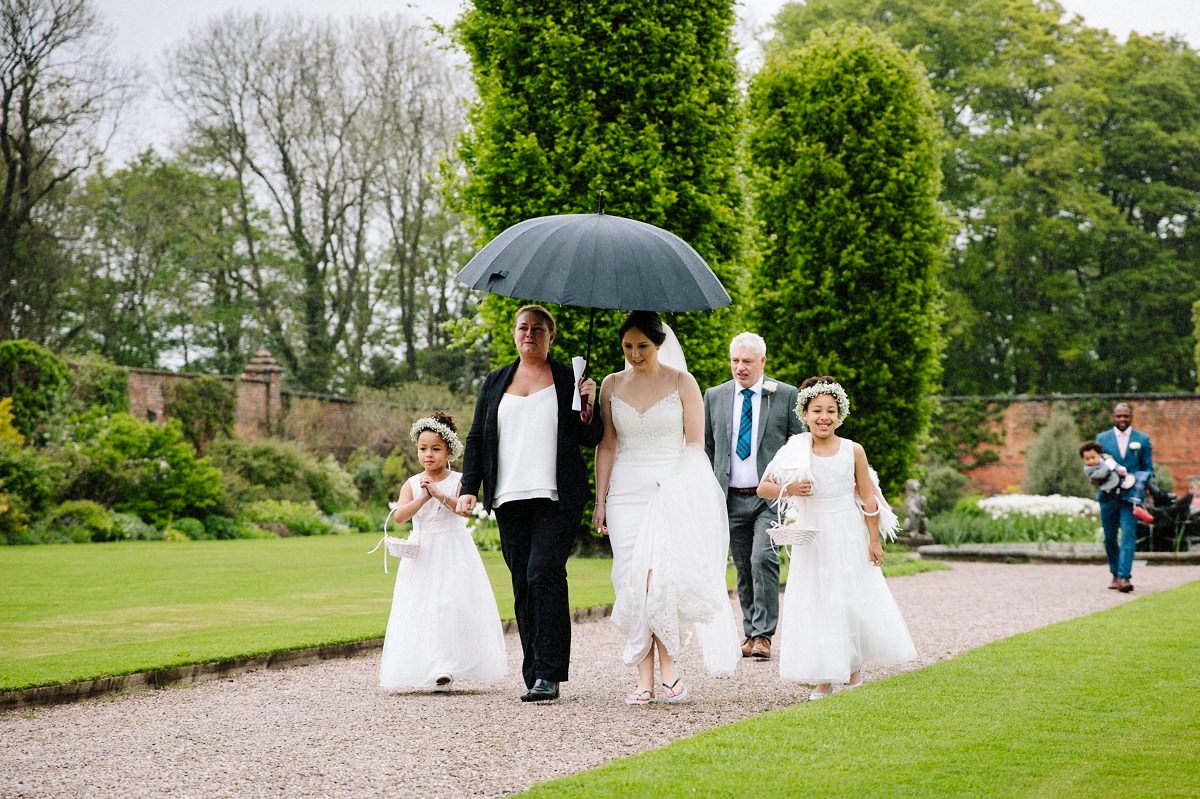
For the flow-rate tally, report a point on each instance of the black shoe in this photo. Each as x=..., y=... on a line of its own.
x=541, y=691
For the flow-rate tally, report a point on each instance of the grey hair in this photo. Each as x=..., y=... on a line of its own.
x=751, y=341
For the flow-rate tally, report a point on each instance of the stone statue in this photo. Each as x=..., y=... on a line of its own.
x=914, y=508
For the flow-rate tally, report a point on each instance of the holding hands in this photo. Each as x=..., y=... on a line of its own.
x=435, y=493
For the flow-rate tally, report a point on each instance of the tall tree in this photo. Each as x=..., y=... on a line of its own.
x=317, y=118
x=844, y=151
x=164, y=266
x=1046, y=117
x=636, y=100
x=59, y=92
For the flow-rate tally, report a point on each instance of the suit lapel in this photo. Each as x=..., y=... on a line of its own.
x=765, y=409
x=722, y=418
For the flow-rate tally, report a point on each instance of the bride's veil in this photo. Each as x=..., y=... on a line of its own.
x=670, y=352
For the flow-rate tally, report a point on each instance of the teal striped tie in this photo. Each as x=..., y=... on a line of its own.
x=743, y=445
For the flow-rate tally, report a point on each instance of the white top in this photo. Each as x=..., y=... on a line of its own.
x=528, y=430
x=744, y=473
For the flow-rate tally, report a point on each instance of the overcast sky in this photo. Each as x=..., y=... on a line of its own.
x=144, y=29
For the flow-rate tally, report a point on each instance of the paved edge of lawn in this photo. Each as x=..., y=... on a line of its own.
x=1049, y=552
x=63, y=693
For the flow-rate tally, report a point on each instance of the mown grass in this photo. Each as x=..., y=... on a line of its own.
x=1100, y=706
x=79, y=612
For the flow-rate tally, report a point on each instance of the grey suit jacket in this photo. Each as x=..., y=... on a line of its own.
x=776, y=424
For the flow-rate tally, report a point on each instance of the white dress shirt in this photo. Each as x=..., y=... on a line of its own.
x=1122, y=439
x=744, y=473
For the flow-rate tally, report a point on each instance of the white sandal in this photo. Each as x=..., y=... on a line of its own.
x=640, y=698
x=675, y=694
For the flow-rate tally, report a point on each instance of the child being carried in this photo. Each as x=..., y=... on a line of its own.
x=1111, y=478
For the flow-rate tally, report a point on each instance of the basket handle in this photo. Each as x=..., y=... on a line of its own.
x=391, y=509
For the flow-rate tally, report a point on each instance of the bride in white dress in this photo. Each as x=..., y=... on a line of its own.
x=662, y=508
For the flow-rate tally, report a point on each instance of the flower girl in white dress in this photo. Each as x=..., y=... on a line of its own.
x=444, y=625
x=838, y=613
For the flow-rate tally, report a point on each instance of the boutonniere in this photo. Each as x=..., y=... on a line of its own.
x=769, y=386
x=1135, y=445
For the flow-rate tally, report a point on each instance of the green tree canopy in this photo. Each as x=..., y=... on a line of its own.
x=844, y=151
x=636, y=100
x=1073, y=175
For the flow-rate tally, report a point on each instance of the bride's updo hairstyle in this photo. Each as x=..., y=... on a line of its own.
x=648, y=323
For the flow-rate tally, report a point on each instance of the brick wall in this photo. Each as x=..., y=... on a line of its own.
x=1171, y=420
x=260, y=404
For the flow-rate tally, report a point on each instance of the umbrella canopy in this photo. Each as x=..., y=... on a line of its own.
x=595, y=261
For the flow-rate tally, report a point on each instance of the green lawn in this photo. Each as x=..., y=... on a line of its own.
x=77, y=612
x=1101, y=706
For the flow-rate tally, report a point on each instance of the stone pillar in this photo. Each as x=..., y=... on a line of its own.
x=266, y=376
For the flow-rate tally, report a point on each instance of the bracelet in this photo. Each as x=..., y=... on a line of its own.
x=876, y=513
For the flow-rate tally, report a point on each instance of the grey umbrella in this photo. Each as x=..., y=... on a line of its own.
x=596, y=261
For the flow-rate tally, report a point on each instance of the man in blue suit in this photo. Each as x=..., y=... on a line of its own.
x=1131, y=449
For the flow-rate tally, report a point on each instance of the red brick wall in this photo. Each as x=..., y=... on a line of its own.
x=256, y=414
x=1171, y=420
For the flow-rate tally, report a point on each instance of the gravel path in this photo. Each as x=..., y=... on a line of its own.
x=325, y=730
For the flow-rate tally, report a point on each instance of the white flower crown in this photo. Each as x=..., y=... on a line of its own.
x=449, y=436
x=816, y=389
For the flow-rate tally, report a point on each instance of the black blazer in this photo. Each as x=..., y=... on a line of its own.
x=482, y=459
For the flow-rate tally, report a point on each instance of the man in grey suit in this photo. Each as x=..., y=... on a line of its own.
x=746, y=421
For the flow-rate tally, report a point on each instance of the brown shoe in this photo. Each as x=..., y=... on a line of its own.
x=1115, y=584
x=761, y=648
x=1125, y=586
x=747, y=646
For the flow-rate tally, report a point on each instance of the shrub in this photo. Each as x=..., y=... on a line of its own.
x=99, y=383
x=14, y=521
x=1052, y=464
x=192, y=528
x=81, y=521
x=357, y=520
x=285, y=518
x=965, y=527
x=128, y=527
x=273, y=469
x=141, y=468
x=35, y=378
x=943, y=487
x=205, y=407
x=30, y=475
x=365, y=467
x=224, y=528
x=9, y=434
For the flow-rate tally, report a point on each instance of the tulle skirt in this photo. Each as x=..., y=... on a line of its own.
x=444, y=618
x=838, y=613
x=670, y=539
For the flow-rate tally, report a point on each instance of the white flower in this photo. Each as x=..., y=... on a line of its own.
x=769, y=386
x=1004, y=505
x=1135, y=445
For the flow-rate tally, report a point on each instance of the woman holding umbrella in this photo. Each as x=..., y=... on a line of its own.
x=523, y=449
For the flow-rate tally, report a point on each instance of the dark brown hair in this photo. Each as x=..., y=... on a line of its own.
x=1090, y=446
x=648, y=323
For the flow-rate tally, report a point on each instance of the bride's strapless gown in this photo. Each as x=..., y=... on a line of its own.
x=670, y=535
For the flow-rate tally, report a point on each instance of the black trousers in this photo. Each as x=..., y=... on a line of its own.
x=536, y=537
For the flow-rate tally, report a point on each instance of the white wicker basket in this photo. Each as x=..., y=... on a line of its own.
x=791, y=535
x=396, y=547
x=790, y=529
x=400, y=547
